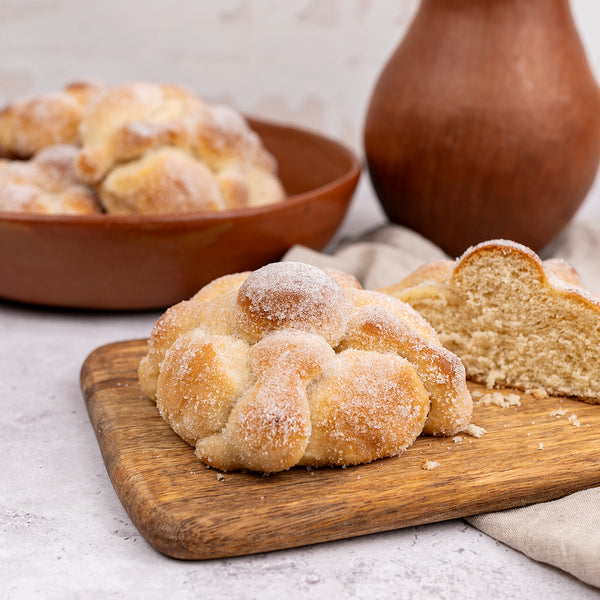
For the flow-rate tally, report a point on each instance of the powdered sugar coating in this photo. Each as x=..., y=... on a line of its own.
x=292, y=365
x=442, y=373
x=29, y=125
x=215, y=160
x=504, y=246
x=45, y=184
x=211, y=159
x=142, y=185
x=221, y=363
x=366, y=405
x=294, y=295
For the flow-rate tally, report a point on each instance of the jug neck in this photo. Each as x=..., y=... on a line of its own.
x=503, y=20
x=484, y=5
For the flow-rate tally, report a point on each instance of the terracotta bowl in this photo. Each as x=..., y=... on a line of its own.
x=149, y=262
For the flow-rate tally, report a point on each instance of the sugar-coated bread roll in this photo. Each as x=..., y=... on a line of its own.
x=293, y=365
x=144, y=148
x=45, y=184
x=163, y=145
x=162, y=181
x=512, y=318
x=28, y=126
x=130, y=120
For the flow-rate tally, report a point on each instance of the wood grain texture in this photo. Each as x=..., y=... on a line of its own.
x=188, y=511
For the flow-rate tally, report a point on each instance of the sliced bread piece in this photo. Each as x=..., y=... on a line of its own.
x=512, y=318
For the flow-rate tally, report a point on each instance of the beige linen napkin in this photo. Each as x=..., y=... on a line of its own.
x=566, y=532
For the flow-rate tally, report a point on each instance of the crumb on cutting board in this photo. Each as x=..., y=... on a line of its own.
x=498, y=399
x=561, y=412
x=558, y=412
x=475, y=430
x=430, y=464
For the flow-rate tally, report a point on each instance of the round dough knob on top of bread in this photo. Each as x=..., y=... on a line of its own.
x=294, y=365
x=292, y=295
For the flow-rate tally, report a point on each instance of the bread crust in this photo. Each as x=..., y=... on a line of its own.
x=301, y=366
x=45, y=184
x=28, y=126
x=143, y=148
x=500, y=296
x=162, y=145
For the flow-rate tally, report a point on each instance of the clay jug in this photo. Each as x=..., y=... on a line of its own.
x=485, y=123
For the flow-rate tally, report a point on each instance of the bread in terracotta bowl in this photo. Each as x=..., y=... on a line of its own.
x=147, y=148
x=158, y=148
x=293, y=365
x=513, y=319
x=29, y=125
x=45, y=184
x=149, y=261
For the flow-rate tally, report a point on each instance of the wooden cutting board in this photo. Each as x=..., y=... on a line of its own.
x=186, y=510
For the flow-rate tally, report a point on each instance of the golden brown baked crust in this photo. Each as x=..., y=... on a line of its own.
x=28, y=126
x=512, y=318
x=161, y=182
x=46, y=184
x=146, y=148
x=294, y=365
x=130, y=120
x=163, y=144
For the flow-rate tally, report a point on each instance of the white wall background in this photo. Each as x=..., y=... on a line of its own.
x=308, y=62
